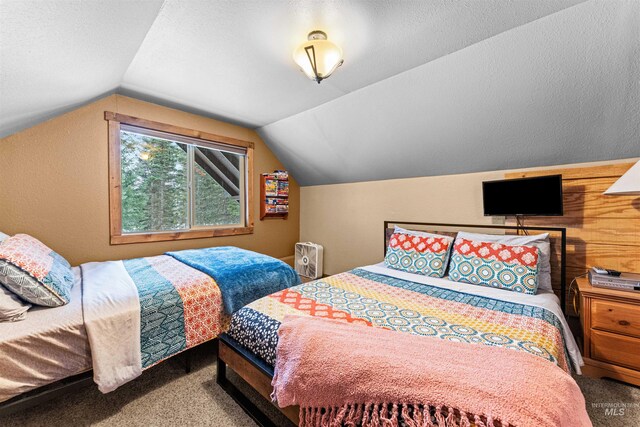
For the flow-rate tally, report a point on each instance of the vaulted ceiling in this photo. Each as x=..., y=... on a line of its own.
x=427, y=87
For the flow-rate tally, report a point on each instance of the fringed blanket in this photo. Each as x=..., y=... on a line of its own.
x=243, y=276
x=342, y=374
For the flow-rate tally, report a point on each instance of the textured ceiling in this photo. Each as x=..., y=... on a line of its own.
x=428, y=87
x=563, y=89
x=228, y=59
x=233, y=58
x=55, y=55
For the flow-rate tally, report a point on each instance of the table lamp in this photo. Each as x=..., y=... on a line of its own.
x=628, y=184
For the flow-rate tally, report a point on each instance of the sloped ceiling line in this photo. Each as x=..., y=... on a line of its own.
x=559, y=90
x=155, y=20
x=228, y=59
x=516, y=83
x=57, y=56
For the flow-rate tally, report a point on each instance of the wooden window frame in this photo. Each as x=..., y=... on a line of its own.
x=117, y=237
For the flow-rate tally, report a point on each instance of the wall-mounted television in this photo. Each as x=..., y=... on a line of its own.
x=538, y=196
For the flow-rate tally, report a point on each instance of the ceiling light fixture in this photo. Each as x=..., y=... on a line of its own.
x=318, y=57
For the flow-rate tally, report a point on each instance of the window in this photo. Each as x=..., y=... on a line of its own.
x=171, y=183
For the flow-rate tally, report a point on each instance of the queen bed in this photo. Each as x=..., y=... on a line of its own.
x=382, y=297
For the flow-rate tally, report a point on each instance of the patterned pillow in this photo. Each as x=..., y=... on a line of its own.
x=514, y=268
x=419, y=253
x=540, y=241
x=34, y=272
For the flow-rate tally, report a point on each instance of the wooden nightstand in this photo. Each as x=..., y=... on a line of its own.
x=611, y=331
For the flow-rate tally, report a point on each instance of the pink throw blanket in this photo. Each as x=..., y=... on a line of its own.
x=343, y=374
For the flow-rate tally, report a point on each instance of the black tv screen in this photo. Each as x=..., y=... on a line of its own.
x=524, y=196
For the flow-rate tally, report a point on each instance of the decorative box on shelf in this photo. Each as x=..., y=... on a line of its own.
x=274, y=195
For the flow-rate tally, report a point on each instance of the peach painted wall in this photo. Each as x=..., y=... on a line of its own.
x=54, y=185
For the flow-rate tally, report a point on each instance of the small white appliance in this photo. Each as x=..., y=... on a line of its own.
x=308, y=261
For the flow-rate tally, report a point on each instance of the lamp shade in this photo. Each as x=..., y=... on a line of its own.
x=318, y=57
x=627, y=184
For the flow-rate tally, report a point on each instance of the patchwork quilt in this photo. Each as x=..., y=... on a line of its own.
x=180, y=307
x=360, y=296
x=150, y=309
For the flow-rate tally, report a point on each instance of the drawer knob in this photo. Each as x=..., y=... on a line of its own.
x=624, y=323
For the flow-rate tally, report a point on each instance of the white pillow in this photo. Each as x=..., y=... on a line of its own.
x=12, y=308
x=2, y=236
x=416, y=233
x=541, y=241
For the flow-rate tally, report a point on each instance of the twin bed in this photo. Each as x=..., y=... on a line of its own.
x=126, y=316
x=179, y=305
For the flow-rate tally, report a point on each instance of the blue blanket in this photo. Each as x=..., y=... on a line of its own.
x=242, y=276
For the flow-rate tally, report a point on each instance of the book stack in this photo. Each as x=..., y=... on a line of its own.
x=275, y=194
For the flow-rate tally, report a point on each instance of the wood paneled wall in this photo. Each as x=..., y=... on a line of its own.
x=601, y=230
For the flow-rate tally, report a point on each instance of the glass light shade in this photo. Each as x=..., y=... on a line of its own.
x=328, y=57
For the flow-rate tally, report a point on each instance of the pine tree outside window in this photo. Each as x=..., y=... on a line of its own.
x=170, y=183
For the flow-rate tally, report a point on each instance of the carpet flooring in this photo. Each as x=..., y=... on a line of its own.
x=166, y=396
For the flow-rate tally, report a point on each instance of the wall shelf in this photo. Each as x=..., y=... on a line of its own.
x=274, y=195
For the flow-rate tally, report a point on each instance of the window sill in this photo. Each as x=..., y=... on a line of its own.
x=125, y=239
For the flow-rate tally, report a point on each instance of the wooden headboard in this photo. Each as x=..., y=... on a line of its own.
x=557, y=240
x=601, y=230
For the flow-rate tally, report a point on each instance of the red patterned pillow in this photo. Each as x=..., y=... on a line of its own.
x=514, y=268
x=419, y=253
x=34, y=272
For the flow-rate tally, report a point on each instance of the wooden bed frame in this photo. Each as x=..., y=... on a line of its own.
x=258, y=374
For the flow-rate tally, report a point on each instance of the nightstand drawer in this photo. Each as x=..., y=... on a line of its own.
x=617, y=349
x=615, y=317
